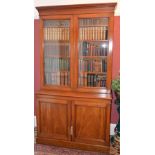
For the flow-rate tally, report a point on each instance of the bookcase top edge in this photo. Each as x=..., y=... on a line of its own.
x=76, y=6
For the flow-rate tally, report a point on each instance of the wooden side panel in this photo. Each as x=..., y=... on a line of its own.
x=90, y=122
x=53, y=118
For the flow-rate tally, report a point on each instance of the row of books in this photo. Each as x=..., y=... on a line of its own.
x=61, y=50
x=55, y=33
x=92, y=80
x=93, y=65
x=56, y=64
x=57, y=78
x=93, y=21
x=89, y=49
x=94, y=33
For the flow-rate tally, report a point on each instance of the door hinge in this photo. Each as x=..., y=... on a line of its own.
x=71, y=131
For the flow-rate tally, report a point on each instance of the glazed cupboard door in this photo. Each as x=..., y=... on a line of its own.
x=94, y=52
x=53, y=118
x=56, y=49
x=91, y=122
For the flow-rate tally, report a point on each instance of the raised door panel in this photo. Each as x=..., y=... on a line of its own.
x=53, y=119
x=91, y=122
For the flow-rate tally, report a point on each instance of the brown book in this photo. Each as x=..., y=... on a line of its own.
x=65, y=34
x=85, y=79
x=95, y=31
x=104, y=33
x=92, y=33
x=83, y=33
x=65, y=78
x=52, y=34
x=68, y=32
x=60, y=38
x=50, y=38
x=49, y=31
x=56, y=33
x=60, y=33
x=88, y=33
x=60, y=78
x=97, y=65
x=99, y=33
x=80, y=36
x=68, y=78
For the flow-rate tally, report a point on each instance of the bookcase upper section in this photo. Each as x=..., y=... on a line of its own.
x=76, y=47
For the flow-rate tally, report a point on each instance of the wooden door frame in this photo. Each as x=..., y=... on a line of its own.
x=42, y=84
x=109, y=57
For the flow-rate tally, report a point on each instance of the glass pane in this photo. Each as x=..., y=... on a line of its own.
x=93, y=51
x=57, y=52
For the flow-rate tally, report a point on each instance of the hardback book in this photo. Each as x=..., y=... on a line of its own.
x=97, y=65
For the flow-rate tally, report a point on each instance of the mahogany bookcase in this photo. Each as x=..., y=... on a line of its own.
x=73, y=104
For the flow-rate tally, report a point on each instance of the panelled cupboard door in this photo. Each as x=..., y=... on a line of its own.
x=56, y=52
x=53, y=118
x=91, y=122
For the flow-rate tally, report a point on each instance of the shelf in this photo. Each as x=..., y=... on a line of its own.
x=62, y=41
x=92, y=57
x=81, y=26
x=57, y=71
x=59, y=57
x=93, y=40
x=57, y=41
x=65, y=86
x=91, y=87
x=57, y=27
x=93, y=72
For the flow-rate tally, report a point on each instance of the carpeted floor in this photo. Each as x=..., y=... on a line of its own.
x=40, y=149
x=53, y=150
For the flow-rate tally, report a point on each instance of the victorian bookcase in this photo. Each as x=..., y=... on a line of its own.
x=74, y=101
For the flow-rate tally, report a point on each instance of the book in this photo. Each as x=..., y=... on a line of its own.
x=97, y=65
x=104, y=66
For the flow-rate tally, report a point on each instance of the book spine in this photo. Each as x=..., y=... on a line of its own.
x=106, y=33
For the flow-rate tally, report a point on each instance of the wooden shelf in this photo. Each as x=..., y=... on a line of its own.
x=81, y=26
x=51, y=56
x=93, y=87
x=93, y=40
x=57, y=71
x=57, y=27
x=92, y=57
x=93, y=72
x=61, y=41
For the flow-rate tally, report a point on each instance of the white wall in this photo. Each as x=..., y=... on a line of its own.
x=69, y=2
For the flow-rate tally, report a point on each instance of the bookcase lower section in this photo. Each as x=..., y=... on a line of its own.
x=74, y=145
x=74, y=122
